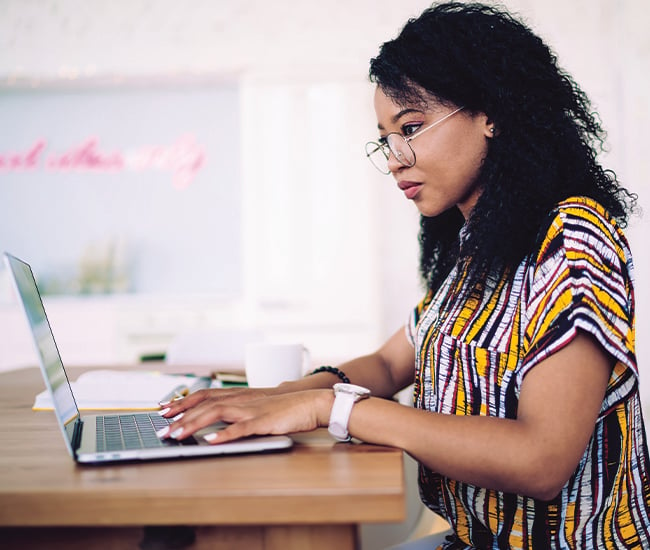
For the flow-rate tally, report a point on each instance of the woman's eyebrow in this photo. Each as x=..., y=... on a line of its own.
x=404, y=112
x=399, y=115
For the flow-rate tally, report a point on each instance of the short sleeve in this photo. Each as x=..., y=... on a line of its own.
x=582, y=279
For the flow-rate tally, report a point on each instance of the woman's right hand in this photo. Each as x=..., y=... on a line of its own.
x=273, y=414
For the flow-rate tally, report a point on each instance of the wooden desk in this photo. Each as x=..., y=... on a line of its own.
x=311, y=497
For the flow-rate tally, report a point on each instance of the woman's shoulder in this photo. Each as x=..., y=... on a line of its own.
x=584, y=219
x=582, y=226
x=585, y=208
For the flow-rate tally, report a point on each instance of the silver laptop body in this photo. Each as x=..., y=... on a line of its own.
x=83, y=433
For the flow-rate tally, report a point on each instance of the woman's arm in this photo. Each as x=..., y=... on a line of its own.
x=535, y=454
x=390, y=369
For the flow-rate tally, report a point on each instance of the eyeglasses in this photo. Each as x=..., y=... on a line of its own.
x=399, y=146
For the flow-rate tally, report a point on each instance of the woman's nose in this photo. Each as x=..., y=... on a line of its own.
x=393, y=162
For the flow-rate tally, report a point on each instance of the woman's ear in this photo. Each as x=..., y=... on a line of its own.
x=490, y=128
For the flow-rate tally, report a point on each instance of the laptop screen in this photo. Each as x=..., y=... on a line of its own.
x=48, y=354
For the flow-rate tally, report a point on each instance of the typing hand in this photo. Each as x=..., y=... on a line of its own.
x=275, y=414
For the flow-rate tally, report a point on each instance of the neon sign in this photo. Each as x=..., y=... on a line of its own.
x=183, y=159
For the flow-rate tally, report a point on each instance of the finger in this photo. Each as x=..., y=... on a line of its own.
x=172, y=408
x=192, y=420
x=232, y=432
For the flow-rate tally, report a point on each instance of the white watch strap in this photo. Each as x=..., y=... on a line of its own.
x=340, y=416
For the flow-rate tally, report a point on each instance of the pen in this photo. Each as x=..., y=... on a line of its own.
x=176, y=393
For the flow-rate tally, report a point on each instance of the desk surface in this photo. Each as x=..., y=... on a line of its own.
x=318, y=482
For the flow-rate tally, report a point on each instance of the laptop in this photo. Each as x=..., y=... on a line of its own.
x=94, y=439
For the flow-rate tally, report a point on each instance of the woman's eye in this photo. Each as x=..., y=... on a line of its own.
x=409, y=129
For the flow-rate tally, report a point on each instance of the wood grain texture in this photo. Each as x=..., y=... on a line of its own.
x=297, y=495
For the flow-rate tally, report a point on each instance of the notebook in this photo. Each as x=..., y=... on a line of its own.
x=126, y=390
x=94, y=439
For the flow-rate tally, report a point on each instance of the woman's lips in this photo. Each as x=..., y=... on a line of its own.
x=410, y=188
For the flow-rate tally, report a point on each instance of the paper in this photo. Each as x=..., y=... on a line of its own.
x=125, y=390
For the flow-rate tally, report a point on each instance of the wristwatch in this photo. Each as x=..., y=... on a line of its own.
x=345, y=396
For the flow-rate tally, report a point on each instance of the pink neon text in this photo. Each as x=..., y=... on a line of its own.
x=183, y=159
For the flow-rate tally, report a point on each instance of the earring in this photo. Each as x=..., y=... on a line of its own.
x=492, y=130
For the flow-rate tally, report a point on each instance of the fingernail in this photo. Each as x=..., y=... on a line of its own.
x=210, y=437
x=164, y=411
x=178, y=417
x=163, y=432
x=163, y=403
x=176, y=433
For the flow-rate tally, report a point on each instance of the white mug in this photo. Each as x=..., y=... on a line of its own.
x=267, y=365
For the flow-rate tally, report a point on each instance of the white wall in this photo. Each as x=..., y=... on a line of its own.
x=303, y=68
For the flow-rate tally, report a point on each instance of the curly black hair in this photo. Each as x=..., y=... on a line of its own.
x=546, y=142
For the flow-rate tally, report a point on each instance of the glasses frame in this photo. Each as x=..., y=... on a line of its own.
x=387, y=148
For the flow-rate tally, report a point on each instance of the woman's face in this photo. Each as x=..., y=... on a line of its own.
x=448, y=156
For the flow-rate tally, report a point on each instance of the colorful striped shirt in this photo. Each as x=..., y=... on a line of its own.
x=472, y=354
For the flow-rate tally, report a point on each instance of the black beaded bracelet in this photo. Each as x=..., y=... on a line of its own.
x=333, y=370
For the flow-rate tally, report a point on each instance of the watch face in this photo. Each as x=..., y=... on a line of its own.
x=351, y=389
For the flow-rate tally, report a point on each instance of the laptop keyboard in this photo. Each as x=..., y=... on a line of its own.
x=133, y=431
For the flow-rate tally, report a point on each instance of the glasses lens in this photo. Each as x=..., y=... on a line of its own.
x=377, y=156
x=401, y=149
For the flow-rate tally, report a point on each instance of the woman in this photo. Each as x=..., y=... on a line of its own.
x=527, y=420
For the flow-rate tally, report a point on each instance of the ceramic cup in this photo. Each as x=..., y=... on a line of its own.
x=268, y=364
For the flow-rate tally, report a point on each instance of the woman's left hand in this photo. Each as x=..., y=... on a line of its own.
x=278, y=414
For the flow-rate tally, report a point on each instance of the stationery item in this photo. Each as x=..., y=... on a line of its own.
x=268, y=364
x=177, y=393
x=115, y=437
x=126, y=390
x=228, y=379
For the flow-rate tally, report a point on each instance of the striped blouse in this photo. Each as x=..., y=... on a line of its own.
x=471, y=358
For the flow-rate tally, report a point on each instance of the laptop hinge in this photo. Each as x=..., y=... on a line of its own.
x=76, y=434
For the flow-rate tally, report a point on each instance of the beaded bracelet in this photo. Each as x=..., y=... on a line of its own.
x=333, y=370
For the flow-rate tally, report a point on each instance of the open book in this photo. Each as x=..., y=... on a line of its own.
x=125, y=390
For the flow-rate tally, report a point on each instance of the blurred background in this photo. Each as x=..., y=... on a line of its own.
x=176, y=170
x=170, y=167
